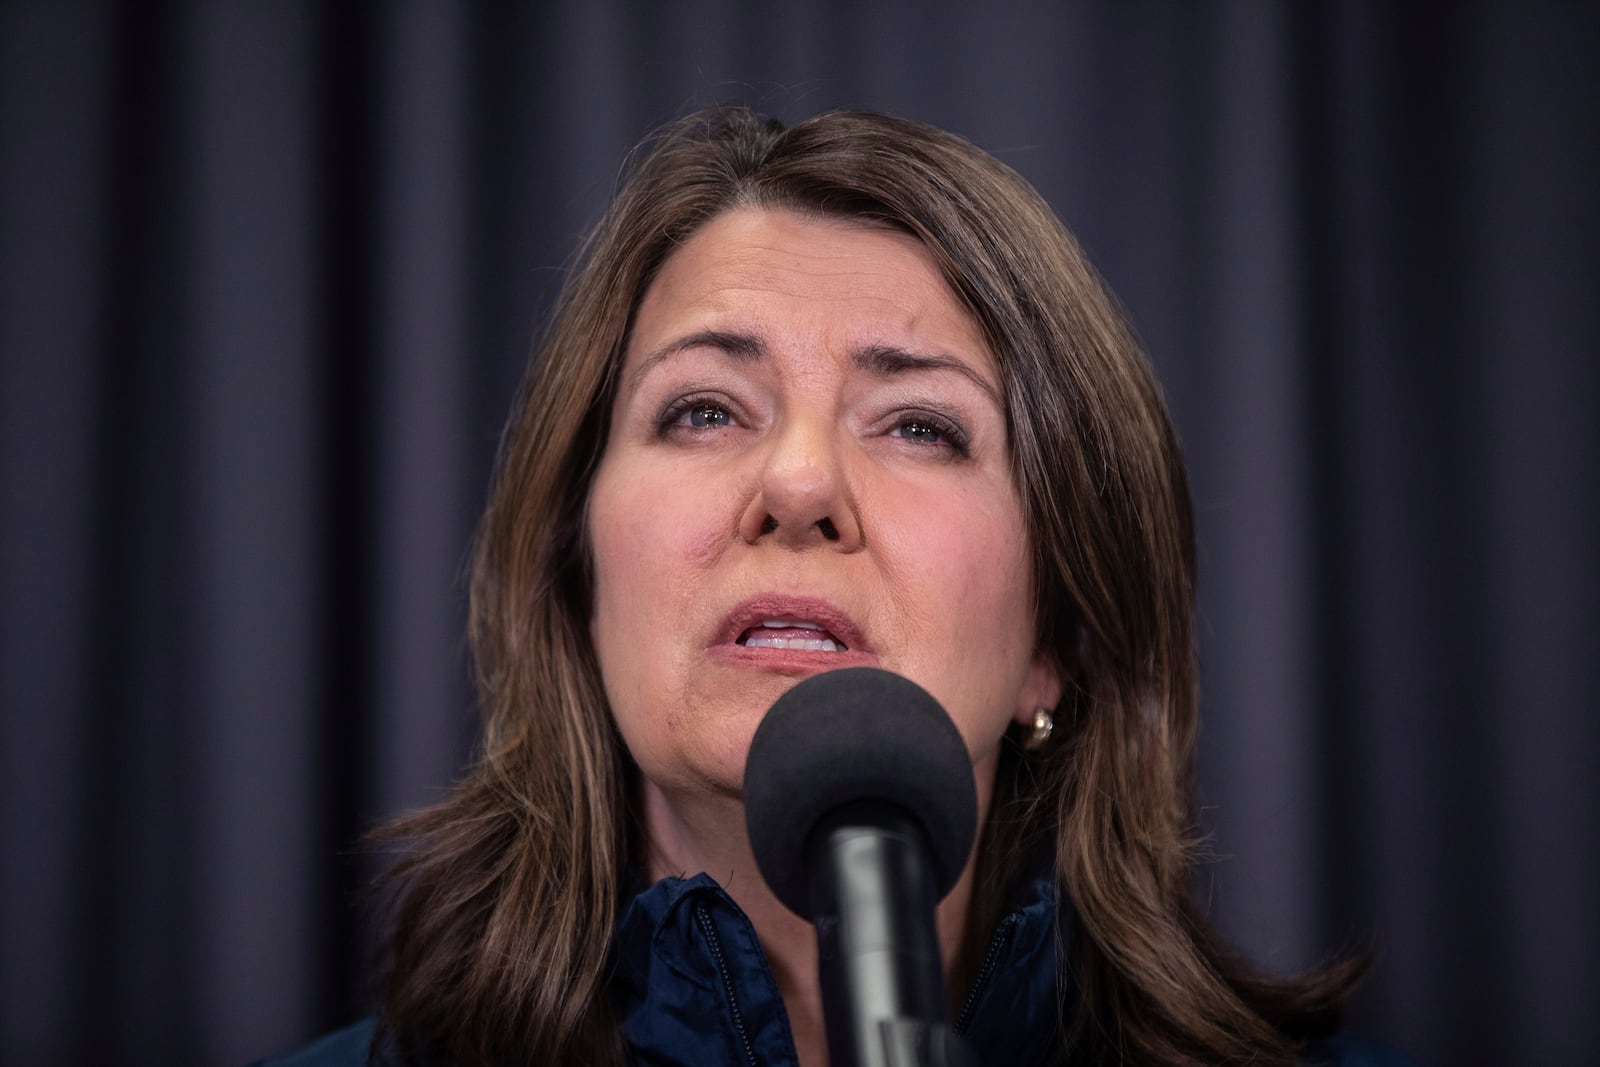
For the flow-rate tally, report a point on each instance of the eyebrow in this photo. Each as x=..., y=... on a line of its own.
x=884, y=361
x=888, y=360
x=744, y=347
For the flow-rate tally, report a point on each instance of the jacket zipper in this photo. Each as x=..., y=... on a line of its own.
x=704, y=919
x=991, y=960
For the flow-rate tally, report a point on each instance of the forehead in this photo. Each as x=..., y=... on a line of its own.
x=776, y=269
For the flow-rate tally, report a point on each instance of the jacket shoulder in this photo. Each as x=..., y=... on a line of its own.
x=349, y=1047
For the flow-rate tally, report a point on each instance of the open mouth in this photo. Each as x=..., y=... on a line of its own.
x=798, y=635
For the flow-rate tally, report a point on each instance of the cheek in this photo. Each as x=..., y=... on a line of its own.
x=970, y=551
x=968, y=589
x=654, y=534
x=614, y=535
x=989, y=578
x=663, y=532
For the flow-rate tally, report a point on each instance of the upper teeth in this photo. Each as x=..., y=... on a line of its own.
x=807, y=644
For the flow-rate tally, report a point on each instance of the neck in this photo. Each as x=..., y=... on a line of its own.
x=690, y=833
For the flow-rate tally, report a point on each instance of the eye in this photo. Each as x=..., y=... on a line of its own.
x=694, y=415
x=927, y=430
x=920, y=432
x=701, y=415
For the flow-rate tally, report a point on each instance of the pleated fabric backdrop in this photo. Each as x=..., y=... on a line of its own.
x=267, y=277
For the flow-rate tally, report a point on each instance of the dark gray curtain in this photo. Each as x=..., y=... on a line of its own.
x=267, y=276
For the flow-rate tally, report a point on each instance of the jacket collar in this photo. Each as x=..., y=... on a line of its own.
x=1013, y=1013
x=691, y=983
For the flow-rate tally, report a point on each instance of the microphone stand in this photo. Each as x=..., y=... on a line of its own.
x=873, y=896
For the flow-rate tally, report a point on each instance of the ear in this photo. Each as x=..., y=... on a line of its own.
x=1040, y=689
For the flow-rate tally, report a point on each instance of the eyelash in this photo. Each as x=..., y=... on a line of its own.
x=676, y=410
x=950, y=432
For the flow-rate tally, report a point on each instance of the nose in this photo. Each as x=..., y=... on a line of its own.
x=802, y=494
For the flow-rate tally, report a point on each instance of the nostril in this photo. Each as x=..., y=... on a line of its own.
x=829, y=531
x=768, y=524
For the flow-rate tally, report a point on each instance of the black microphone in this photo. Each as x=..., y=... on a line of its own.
x=861, y=810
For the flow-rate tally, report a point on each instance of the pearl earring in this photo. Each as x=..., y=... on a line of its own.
x=1043, y=724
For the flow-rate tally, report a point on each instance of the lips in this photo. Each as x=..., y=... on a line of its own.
x=778, y=625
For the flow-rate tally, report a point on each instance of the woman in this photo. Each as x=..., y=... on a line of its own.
x=844, y=393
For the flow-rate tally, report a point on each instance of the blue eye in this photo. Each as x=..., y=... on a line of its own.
x=928, y=429
x=688, y=415
x=702, y=415
x=920, y=432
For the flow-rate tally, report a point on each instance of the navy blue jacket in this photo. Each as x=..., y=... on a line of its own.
x=692, y=986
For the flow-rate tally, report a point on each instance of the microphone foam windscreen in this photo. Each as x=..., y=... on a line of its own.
x=849, y=735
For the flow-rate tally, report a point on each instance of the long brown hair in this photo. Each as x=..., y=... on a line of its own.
x=501, y=910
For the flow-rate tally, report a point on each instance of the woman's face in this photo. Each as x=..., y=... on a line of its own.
x=807, y=469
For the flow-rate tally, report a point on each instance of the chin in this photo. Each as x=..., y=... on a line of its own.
x=723, y=770
x=712, y=768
